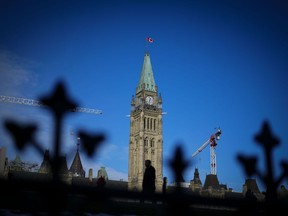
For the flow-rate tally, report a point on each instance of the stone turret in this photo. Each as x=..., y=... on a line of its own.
x=196, y=184
x=211, y=182
x=212, y=187
x=102, y=173
x=76, y=167
x=251, y=186
x=45, y=166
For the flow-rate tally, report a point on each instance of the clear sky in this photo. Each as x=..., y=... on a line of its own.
x=216, y=63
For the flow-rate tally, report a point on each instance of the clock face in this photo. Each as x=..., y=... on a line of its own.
x=149, y=100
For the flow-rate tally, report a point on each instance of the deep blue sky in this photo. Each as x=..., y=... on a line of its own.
x=216, y=63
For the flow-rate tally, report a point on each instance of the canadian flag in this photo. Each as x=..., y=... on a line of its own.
x=150, y=40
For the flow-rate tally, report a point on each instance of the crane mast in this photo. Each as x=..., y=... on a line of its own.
x=213, y=143
x=31, y=102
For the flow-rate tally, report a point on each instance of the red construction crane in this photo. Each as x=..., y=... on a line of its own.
x=31, y=102
x=213, y=143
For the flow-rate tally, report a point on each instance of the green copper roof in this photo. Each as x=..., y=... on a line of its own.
x=147, y=78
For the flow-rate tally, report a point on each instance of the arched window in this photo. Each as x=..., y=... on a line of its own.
x=148, y=126
x=152, y=143
x=146, y=142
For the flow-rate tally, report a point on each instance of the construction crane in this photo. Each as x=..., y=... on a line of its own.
x=31, y=102
x=213, y=143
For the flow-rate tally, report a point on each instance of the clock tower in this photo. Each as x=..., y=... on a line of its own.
x=146, y=140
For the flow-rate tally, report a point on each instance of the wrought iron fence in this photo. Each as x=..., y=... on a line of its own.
x=52, y=196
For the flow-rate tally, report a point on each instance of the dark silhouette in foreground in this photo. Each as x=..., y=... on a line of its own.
x=148, y=184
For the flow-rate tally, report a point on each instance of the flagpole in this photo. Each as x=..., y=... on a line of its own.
x=148, y=40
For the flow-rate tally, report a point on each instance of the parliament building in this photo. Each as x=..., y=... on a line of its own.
x=145, y=142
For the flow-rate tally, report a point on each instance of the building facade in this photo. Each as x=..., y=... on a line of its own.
x=146, y=138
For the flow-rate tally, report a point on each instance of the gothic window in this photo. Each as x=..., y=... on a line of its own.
x=151, y=124
x=146, y=142
x=134, y=161
x=138, y=128
x=147, y=122
x=144, y=122
x=152, y=143
x=154, y=124
x=148, y=125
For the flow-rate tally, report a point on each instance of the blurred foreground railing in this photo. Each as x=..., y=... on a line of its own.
x=28, y=197
x=54, y=197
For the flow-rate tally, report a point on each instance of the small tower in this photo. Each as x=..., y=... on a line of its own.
x=102, y=173
x=250, y=184
x=212, y=182
x=45, y=166
x=146, y=140
x=76, y=167
x=196, y=184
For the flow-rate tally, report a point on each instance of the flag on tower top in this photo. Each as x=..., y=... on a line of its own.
x=150, y=40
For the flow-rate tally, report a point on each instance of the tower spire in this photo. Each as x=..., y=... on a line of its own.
x=147, y=81
x=76, y=166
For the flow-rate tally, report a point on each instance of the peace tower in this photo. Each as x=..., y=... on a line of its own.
x=146, y=140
